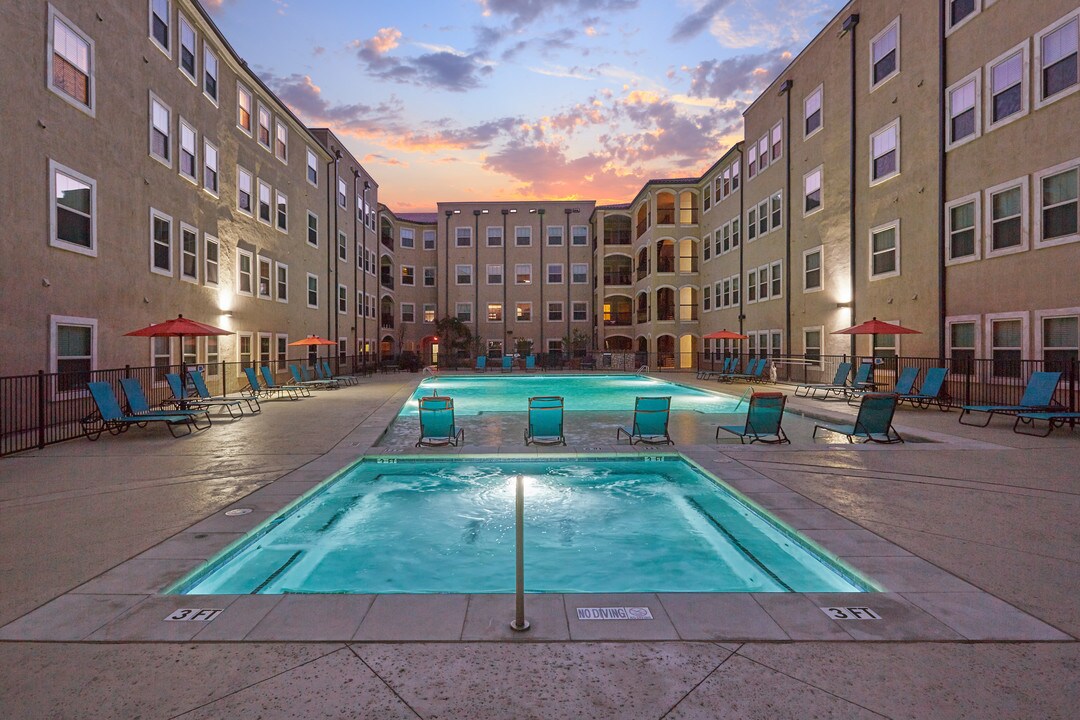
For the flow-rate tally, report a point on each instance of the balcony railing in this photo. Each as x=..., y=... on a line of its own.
x=642, y=271
x=665, y=264
x=387, y=241
x=665, y=313
x=617, y=237
x=642, y=226
x=387, y=321
x=643, y=315
x=618, y=319
x=665, y=216
x=621, y=277
x=387, y=281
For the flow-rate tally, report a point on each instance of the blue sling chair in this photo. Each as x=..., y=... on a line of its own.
x=650, y=424
x=1038, y=398
x=139, y=406
x=930, y=392
x=325, y=374
x=839, y=381
x=873, y=423
x=545, y=421
x=481, y=363
x=763, y=420
x=184, y=401
x=530, y=363
x=109, y=417
x=437, y=426
x=300, y=378
x=204, y=395
x=905, y=381
x=507, y=363
x=269, y=384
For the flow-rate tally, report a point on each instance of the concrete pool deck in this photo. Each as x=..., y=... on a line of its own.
x=973, y=535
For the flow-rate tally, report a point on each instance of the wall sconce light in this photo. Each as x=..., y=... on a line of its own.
x=844, y=304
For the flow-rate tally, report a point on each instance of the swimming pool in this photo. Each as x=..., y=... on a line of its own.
x=598, y=393
x=598, y=525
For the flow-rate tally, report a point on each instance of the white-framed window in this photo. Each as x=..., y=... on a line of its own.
x=494, y=274
x=555, y=274
x=763, y=217
x=463, y=237
x=264, y=202
x=408, y=312
x=245, y=270
x=72, y=210
x=71, y=63
x=160, y=357
x=189, y=253
x=554, y=235
x=523, y=312
x=189, y=155
x=885, y=250
x=579, y=311
x=963, y=101
x=961, y=343
x=885, y=54
x=885, y=153
x=312, y=168
x=776, y=279
x=494, y=312
x=812, y=344
x=1007, y=217
x=555, y=311
x=1056, y=222
x=812, y=269
x=1007, y=335
x=244, y=351
x=211, y=260
x=812, y=115
x=764, y=284
x=281, y=347
x=342, y=300
x=523, y=274
x=776, y=206
x=429, y=312
x=735, y=279
x=706, y=246
x=160, y=131
x=522, y=236
x=160, y=23
x=776, y=137
x=751, y=224
x=265, y=347
x=763, y=152
x=812, y=191
x=463, y=274
x=408, y=275
x=579, y=273
x=281, y=141
x=751, y=161
x=342, y=196
x=212, y=346
x=312, y=290
x=161, y=248
x=1057, y=337
x=958, y=12
x=265, y=288
x=243, y=190
x=72, y=351
x=210, y=168
x=579, y=235
x=188, y=42
x=210, y=74
x=1006, y=78
x=408, y=237
x=962, y=230
x=463, y=311
x=885, y=345
x=429, y=239
x=243, y=108
x=263, y=126
x=751, y=286
x=429, y=276
x=706, y=298
x=342, y=246
x=1056, y=59
x=281, y=201
x=494, y=236
x=312, y=229
x=722, y=293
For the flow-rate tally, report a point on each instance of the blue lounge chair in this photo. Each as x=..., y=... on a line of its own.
x=930, y=392
x=1038, y=397
x=325, y=374
x=530, y=363
x=256, y=389
x=304, y=378
x=437, y=426
x=139, y=406
x=727, y=368
x=481, y=363
x=755, y=370
x=650, y=424
x=1054, y=419
x=545, y=421
x=183, y=401
x=763, y=420
x=109, y=417
x=204, y=395
x=839, y=381
x=873, y=423
x=905, y=381
x=270, y=385
x=507, y=363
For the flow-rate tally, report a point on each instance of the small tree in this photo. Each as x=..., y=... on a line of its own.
x=576, y=342
x=523, y=346
x=455, y=338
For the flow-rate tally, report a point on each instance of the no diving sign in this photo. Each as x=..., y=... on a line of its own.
x=614, y=613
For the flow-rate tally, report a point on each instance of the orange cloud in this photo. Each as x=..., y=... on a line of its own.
x=384, y=41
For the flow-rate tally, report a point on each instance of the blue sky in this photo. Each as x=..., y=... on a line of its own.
x=461, y=100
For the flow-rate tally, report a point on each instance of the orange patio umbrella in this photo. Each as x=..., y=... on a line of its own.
x=180, y=327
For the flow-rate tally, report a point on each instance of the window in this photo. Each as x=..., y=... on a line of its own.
x=408, y=238
x=1060, y=342
x=160, y=14
x=963, y=101
x=776, y=205
x=244, y=265
x=429, y=277
x=523, y=311
x=342, y=198
x=962, y=217
x=555, y=311
x=706, y=246
x=312, y=229
x=763, y=152
x=312, y=168
x=751, y=286
x=282, y=202
x=885, y=54
x=1006, y=209
x=429, y=239
x=763, y=283
x=523, y=274
x=962, y=341
x=494, y=274
x=463, y=237
x=160, y=131
x=579, y=311
x=812, y=346
x=429, y=313
x=189, y=253
x=312, y=290
x=342, y=300
x=281, y=141
x=243, y=190
x=812, y=270
x=1055, y=54
x=187, y=49
x=187, y=150
x=73, y=351
x=243, y=108
x=463, y=311
x=1006, y=346
x=579, y=235
x=243, y=351
x=763, y=217
x=463, y=274
x=281, y=277
x=885, y=251
x=264, y=277
x=751, y=224
x=776, y=275
x=1008, y=96
x=734, y=289
x=1057, y=197
x=160, y=243
x=723, y=293
x=408, y=312
x=579, y=273
x=281, y=343
x=210, y=168
x=554, y=236
x=342, y=246
x=210, y=74
x=264, y=127
x=812, y=112
x=522, y=236
x=735, y=175
x=264, y=202
x=751, y=162
x=72, y=63
x=777, y=138
x=706, y=297
x=812, y=191
x=408, y=275
x=213, y=356
x=494, y=312
x=554, y=274
x=73, y=210
x=959, y=11
x=211, y=261
x=885, y=152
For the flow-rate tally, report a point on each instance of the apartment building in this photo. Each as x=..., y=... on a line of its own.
x=408, y=276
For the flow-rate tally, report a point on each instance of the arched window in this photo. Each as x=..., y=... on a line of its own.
x=665, y=208
x=688, y=208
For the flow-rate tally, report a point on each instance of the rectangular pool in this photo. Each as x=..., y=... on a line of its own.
x=608, y=524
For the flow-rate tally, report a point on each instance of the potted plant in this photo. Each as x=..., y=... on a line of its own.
x=522, y=348
x=575, y=344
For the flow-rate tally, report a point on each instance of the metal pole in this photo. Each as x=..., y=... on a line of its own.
x=520, y=623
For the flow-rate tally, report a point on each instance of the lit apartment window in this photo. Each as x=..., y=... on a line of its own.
x=73, y=210
x=885, y=54
x=282, y=202
x=962, y=217
x=211, y=260
x=463, y=237
x=579, y=235
x=342, y=198
x=160, y=14
x=812, y=112
x=579, y=273
x=555, y=311
x=281, y=141
x=1007, y=217
x=264, y=266
x=494, y=312
x=264, y=127
x=244, y=272
x=523, y=274
x=243, y=108
x=429, y=313
x=161, y=250
x=812, y=191
x=72, y=58
x=73, y=341
x=963, y=100
x=554, y=236
x=1057, y=190
x=210, y=168
x=885, y=251
x=1056, y=49
x=312, y=168
x=555, y=274
x=189, y=253
x=312, y=290
x=187, y=49
x=1060, y=341
x=429, y=277
x=579, y=311
x=1006, y=346
x=885, y=152
x=210, y=73
x=959, y=10
x=812, y=270
x=494, y=274
x=408, y=275
x=429, y=239
x=160, y=131
x=463, y=274
x=408, y=238
x=264, y=202
x=523, y=311
x=1008, y=99
x=777, y=141
x=312, y=229
x=188, y=141
x=463, y=311
x=522, y=236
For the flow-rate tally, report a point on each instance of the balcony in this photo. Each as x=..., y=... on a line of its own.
x=621, y=277
x=642, y=226
x=665, y=313
x=642, y=271
x=617, y=236
x=665, y=216
x=387, y=321
x=664, y=264
x=387, y=241
x=387, y=281
x=643, y=315
x=618, y=319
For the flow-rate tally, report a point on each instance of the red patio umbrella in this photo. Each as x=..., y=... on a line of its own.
x=312, y=341
x=877, y=327
x=180, y=327
x=724, y=335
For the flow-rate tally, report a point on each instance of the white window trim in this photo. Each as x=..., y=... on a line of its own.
x=240, y=252
x=516, y=282
x=457, y=275
x=870, y=54
x=279, y=124
x=950, y=28
x=562, y=311
x=307, y=237
x=522, y=227
x=169, y=29
x=820, y=250
x=988, y=333
x=54, y=322
x=252, y=360
x=182, y=20
x=207, y=239
x=90, y=109
x=412, y=311
x=278, y=196
x=307, y=290
x=547, y=273
x=434, y=275
x=586, y=280
x=194, y=177
x=820, y=169
x=870, y=250
x=547, y=236
x=1037, y=215
x=91, y=251
x=217, y=154
x=520, y=303
x=1025, y=85
x=820, y=329
x=342, y=297
x=572, y=235
x=198, y=256
x=311, y=155
x=976, y=77
x=977, y=199
x=343, y=246
x=1025, y=218
x=256, y=350
x=468, y=306
x=753, y=285
x=1036, y=90
x=255, y=126
x=487, y=274
x=820, y=89
x=280, y=340
x=242, y=89
x=487, y=314
x=277, y=295
x=252, y=192
x=976, y=320
x=207, y=50
x=259, y=185
x=582, y=302
x=403, y=268
x=167, y=162
x=885, y=178
x=342, y=194
x=172, y=242
x=1037, y=322
x=261, y=260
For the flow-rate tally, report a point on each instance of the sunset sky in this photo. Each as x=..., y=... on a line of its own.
x=456, y=100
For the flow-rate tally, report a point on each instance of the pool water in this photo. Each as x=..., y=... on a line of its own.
x=597, y=393
x=604, y=525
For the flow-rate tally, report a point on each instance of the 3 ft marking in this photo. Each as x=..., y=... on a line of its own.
x=850, y=613
x=196, y=614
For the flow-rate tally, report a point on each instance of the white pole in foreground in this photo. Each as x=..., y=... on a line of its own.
x=520, y=623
